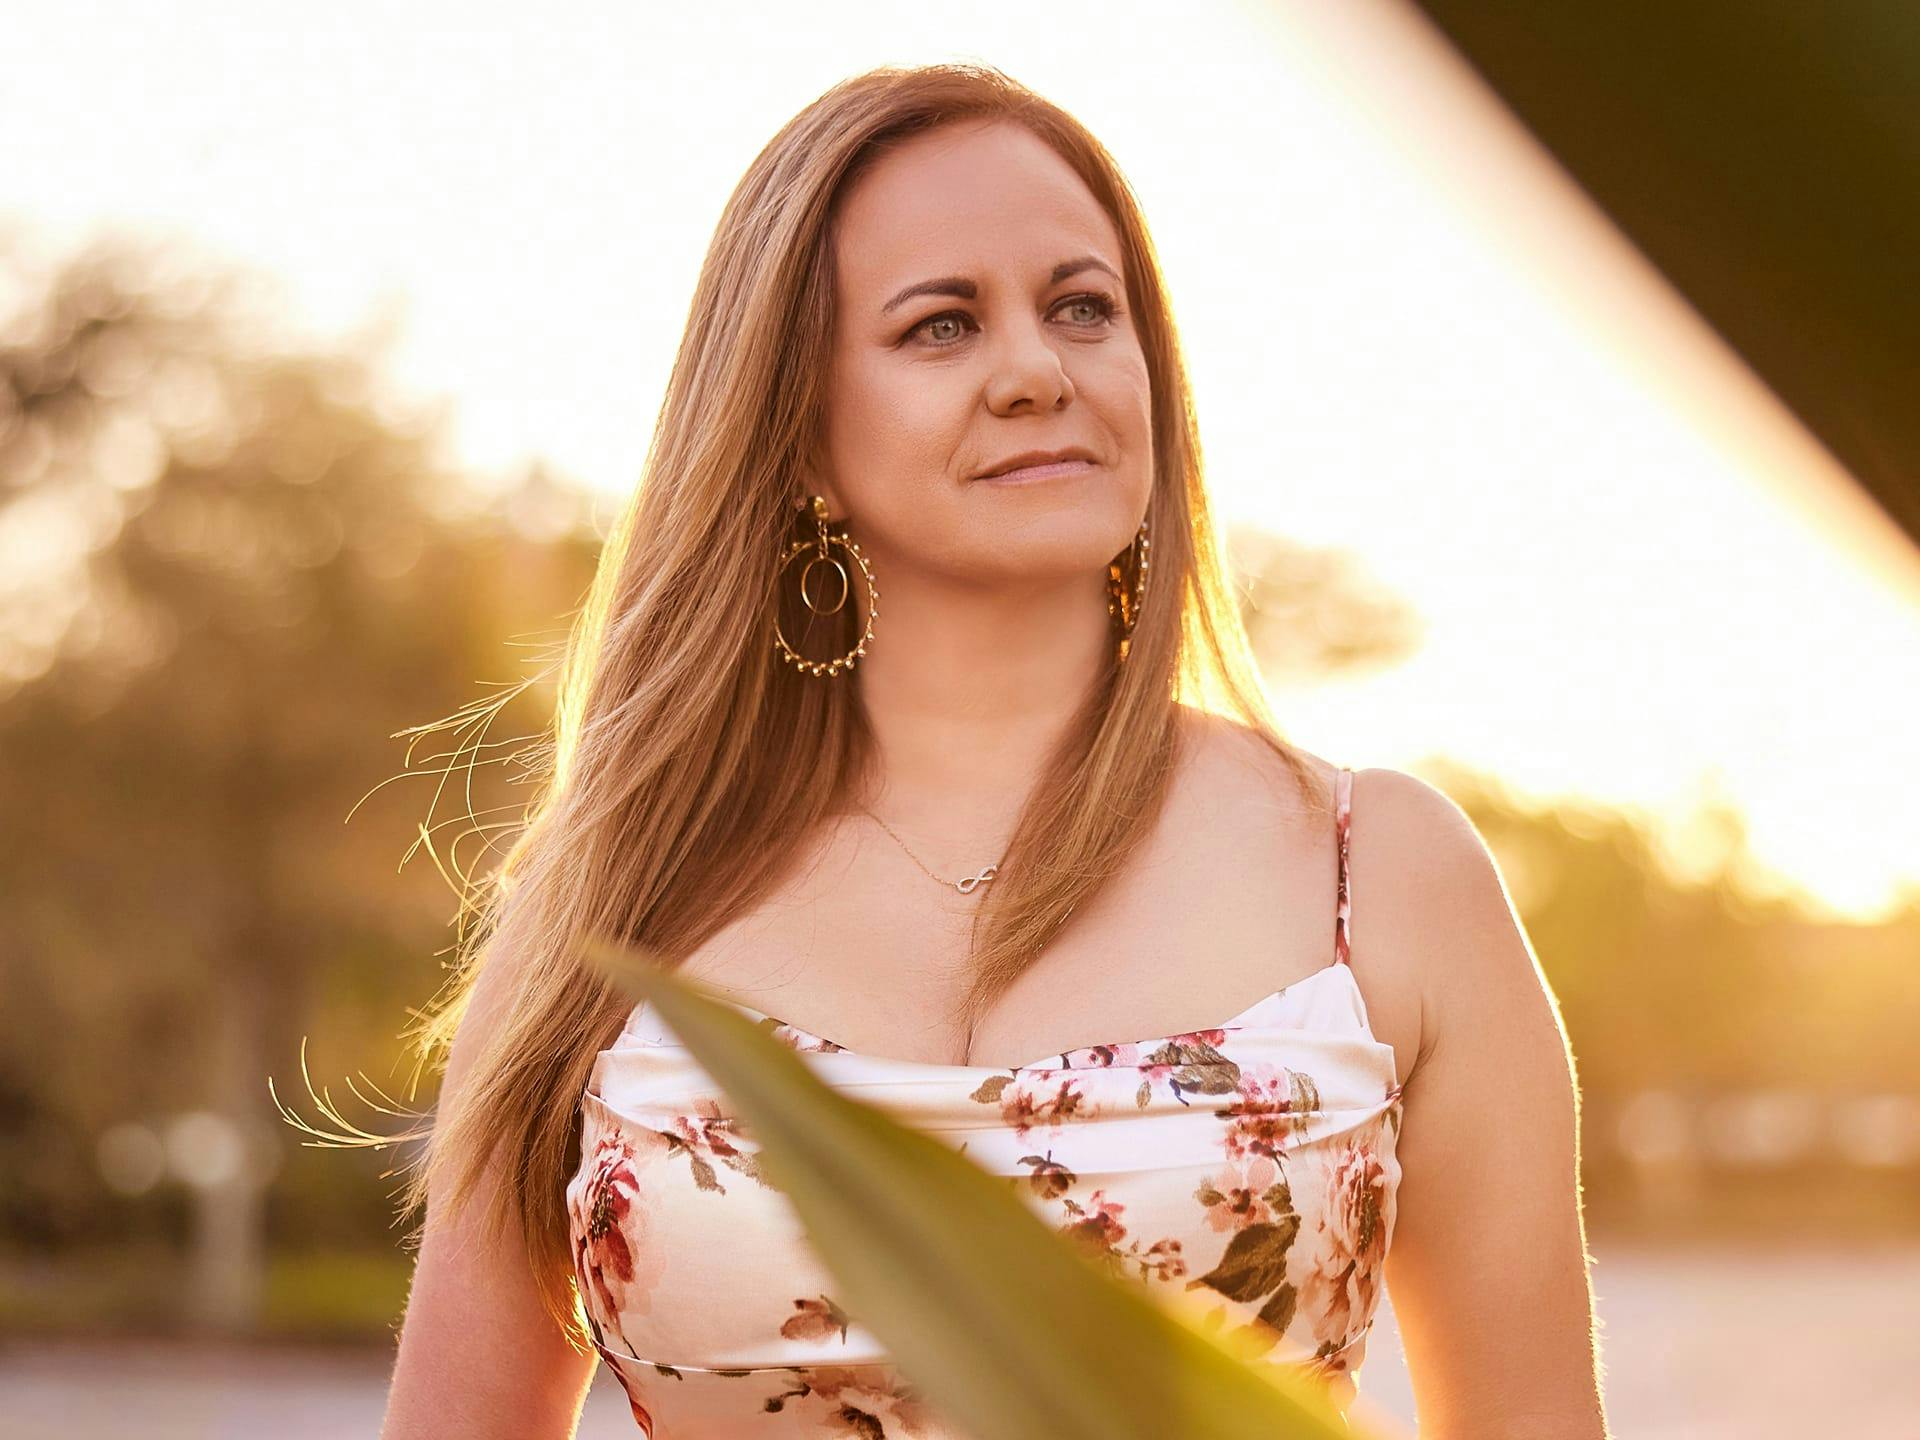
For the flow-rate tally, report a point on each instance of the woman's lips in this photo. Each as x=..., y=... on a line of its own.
x=1049, y=471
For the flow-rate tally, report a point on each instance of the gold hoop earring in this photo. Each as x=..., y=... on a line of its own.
x=820, y=556
x=1123, y=602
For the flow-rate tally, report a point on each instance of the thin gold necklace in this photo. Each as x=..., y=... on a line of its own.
x=965, y=887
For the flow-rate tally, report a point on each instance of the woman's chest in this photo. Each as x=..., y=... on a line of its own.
x=1209, y=915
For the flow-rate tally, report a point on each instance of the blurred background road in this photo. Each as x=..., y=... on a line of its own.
x=1698, y=1345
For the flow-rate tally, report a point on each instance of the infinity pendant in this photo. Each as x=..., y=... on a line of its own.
x=973, y=882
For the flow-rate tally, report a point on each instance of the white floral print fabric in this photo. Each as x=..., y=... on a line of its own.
x=1250, y=1165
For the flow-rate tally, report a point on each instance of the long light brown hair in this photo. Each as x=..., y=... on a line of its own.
x=686, y=760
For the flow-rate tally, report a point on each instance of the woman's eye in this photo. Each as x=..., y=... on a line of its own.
x=949, y=326
x=950, y=318
x=1101, y=306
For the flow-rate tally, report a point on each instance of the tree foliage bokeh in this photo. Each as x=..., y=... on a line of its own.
x=241, y=570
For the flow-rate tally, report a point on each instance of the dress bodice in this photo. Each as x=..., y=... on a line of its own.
x=1251, y=1165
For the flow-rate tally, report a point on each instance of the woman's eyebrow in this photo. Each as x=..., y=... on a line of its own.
x=965, y=289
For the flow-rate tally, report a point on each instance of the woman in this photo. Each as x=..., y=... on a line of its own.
x=1034, y=802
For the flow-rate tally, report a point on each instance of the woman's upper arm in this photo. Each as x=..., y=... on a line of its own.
x=480, y=1354
x=1488, y=1266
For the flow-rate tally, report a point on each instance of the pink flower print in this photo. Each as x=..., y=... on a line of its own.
x=706, y=1129
x=1096, y=1224
x=1395, y=1107
x=1097, y=1228
x=1273, y=1107
x=1236, y=1196
x=613, y=1264
x=1212, y=1039
x=1126, y=1055
x=1050, y=1178
x=642, y=1415
x=1161, y=1260
x=707, y=1135
x=1100, y=1057
x=1342, y=1284
x=864, y=1402
x=1182, y=1051
x=1190, y=1063
x=1037, y=1098
x=817, y=1319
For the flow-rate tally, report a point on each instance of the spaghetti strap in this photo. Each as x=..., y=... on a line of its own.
x=1343, y=907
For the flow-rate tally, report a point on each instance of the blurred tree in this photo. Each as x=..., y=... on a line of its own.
x=232, y=570
x=1720, y=983
x=1310, y=614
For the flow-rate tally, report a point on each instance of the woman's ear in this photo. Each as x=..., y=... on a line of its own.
x=812, y=476
x=810, y=484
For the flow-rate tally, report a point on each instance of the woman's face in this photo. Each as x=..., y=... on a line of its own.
x=980, y=314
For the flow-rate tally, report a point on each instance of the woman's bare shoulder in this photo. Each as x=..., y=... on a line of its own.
x=1430, y=909
x=1236, y=763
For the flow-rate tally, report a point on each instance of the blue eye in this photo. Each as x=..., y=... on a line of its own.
x=954, y=315
x=1104, y=311
x=1103, y=307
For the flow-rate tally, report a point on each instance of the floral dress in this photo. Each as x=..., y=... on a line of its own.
x=1250, y=1166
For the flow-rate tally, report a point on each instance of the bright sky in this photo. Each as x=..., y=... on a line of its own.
x=1411, y=338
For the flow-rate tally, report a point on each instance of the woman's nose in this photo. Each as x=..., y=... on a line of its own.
x=1027, y=371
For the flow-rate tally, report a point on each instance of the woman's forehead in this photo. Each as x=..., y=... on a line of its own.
x=984, y=201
